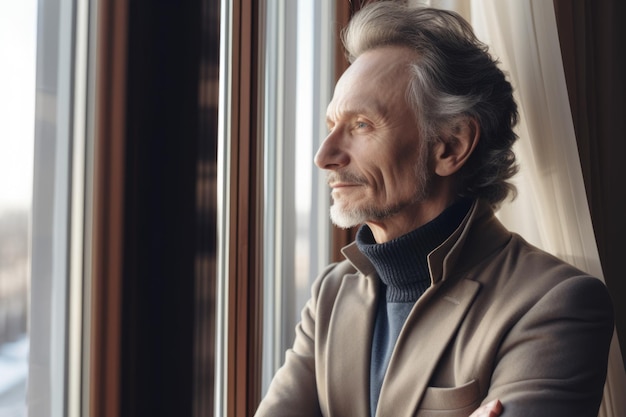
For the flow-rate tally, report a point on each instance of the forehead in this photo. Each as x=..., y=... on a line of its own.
x=376, y=81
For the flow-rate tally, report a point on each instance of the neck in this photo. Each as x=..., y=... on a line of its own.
x=407, y=220
x=402, y=263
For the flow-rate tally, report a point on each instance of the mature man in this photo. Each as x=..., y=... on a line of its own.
x=438, y=308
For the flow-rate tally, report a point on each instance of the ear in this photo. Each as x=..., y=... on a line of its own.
x=455, y=146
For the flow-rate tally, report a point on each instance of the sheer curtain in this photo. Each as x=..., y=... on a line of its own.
x=551, y=210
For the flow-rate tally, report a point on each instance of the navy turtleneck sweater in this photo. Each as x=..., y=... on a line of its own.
x=402, y=267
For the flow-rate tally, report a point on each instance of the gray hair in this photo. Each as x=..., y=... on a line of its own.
x=454, y=77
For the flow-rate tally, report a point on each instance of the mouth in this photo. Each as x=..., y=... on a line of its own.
x=345, y=180
x=343, y=190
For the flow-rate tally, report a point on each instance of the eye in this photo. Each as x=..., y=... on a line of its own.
x=361, y=125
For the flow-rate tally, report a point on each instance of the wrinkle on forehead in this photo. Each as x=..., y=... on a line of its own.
x=375, y=83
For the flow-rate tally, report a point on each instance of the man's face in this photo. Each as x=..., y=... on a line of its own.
x=376, y=164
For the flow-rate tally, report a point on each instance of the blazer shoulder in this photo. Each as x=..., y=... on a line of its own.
x=537, y=264
x=522, y=276
x=583, y=294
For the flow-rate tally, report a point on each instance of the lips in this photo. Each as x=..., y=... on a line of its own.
x=344, y=180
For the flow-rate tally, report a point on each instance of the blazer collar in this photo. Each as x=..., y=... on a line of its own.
x=479, y=225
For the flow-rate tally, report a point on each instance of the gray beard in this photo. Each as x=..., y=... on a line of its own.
x=347, y=218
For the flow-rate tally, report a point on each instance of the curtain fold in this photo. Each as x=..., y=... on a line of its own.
x=591, y=36
x=551, y=210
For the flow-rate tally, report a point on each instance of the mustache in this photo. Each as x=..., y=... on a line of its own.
x=345, y=177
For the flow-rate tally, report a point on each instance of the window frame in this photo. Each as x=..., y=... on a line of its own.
x=108, y=220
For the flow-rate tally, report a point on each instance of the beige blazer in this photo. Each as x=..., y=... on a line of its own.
x=502, y=319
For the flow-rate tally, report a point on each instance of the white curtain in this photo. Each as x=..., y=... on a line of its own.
x=551, y=210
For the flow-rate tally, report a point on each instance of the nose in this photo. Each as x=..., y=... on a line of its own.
x=331, y=154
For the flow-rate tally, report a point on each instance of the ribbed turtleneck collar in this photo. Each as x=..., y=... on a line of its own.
x=402, y=263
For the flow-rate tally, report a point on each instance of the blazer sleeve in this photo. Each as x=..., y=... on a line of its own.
x=553, y=361
x=293, y=390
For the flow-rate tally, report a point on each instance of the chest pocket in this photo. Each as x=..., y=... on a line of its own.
x=450, y=402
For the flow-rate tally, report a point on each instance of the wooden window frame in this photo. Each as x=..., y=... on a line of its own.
x=246, y=216
x=245, y=258
x=154, y=209
x=108, y=209
x=245, y=265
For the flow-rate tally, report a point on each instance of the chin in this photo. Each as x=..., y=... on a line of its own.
x=345, y=219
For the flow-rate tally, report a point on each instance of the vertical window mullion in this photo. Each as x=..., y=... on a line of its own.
x=108, y=199
x=242, y=268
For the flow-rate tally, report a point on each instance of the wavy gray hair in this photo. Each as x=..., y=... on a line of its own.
x=454, y=76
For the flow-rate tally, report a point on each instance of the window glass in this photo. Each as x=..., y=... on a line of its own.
x=18, y=25
x=43, y=139
x=297, y=86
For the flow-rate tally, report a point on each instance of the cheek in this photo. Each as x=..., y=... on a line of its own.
x=372, y=164
x=407, y=172
x=406, y=160
x=387, y=167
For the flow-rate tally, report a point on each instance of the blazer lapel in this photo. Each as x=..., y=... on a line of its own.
x=425, y=335
x=349, y=347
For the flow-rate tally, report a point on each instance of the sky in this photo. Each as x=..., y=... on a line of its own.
x=18, y=27
x=304, y=106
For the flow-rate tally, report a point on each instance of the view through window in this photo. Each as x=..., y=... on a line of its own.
x=18, y=26
x=298, y=71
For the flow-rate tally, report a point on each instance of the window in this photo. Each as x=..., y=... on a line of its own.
x=297, y=86
x=59, y=295
x=46, y=150
x=18, y=29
